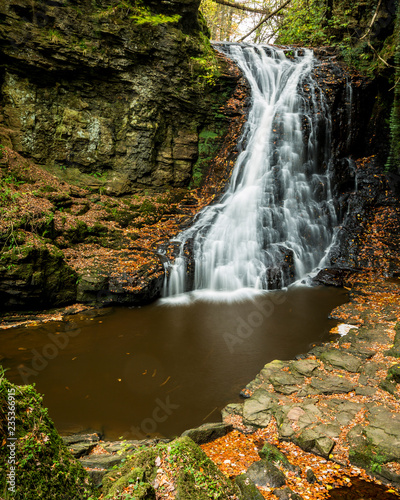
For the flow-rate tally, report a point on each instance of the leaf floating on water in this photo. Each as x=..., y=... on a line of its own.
x=145, y=372
x=73, y=359
x=154, y=373
x=165, y=381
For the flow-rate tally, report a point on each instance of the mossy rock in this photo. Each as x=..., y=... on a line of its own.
x=272, y=454
x=136, y=478
x=44, y=467
x=35, y=277
x=248, y=489
x=196, y=477
x=394, y=374
x=140, y=468
x=83, y=233
x=395, y=350
x=123, y=217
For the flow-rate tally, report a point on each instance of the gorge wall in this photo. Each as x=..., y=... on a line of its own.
x=117, y=89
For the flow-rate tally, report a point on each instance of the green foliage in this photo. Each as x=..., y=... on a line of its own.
x=393, y=162
x=340, y=24
x=136, y=11
x=367, y=457
x=303, y=25
x=208, y=144
x=7, y=193
x=55, y=36
x=205, y=68
x=153, y=19
x=44, y=467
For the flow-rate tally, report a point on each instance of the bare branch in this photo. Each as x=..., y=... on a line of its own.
x=265, y=19
x=373, y=20
x=240, y=6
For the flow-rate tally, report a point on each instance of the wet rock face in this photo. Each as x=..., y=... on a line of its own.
x=37, y=279
x=89, y=87
x=366, y=198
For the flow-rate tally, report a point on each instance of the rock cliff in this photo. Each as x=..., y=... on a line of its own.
x=116, y=89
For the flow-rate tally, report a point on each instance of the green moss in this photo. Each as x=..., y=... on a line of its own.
x=44, y=468
x=272, y=454
x=140, y=469
x=393, y=162
x=55, y=36
x=154, y=20
x=209, y=142
x=135, y=10
x=367, y=458
x=197, y=477
x=83, y=233
x=204, y=68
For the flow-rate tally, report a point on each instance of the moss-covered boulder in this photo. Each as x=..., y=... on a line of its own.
x=179, y=466
x=34, y=462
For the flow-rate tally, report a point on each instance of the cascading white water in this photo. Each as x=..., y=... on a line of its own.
x=274, y=223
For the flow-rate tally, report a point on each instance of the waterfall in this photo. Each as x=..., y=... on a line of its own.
x=349, y=108
x=274, y=223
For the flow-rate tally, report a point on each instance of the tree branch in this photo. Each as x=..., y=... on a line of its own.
x=240, y=6
x=373, y=20
x=265, y=19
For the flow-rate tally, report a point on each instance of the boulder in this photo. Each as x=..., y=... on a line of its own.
x=332, y=385
x=263, y=473
x=341, y=359
x=247, y=488
x=208, y=432
x=258, y=409
x=305, y=367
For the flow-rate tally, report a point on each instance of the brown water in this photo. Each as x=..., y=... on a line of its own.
x=161, y=369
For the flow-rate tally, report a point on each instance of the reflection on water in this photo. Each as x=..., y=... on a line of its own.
x=162, y=368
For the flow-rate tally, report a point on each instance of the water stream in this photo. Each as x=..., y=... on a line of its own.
x=274, y=223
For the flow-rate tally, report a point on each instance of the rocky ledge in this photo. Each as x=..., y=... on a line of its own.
x=340, y=400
